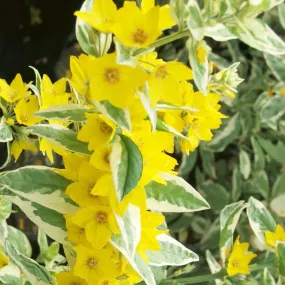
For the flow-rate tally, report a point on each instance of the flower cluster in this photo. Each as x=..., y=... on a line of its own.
x=132, y=116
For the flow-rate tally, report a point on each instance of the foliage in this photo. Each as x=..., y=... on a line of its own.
x=122, y=123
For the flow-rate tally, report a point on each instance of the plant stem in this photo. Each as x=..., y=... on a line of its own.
x=163, y=41
x=194, y=279
x=211, y=277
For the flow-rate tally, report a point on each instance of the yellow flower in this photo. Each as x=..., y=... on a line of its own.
x=164, y=82
x=47, y=148
x=15, y=91
x=273, y=237
x=98, y=131
x=75, y=234
x=72, y=164
x=53, y=94
x=128, y=275
x=108, y=281
x=101, y=17
x=239, y=259
x=4, y=260
x=165, y=19
x=134, y=28
x=149, y=223
x=67, y=278
x=25, y=109
x=91, y=265
x=113, y=82
x=101, y=158
x=152, y=146
x=99, y=223
x=80, y=69
x=19, y=145
x=81, y=190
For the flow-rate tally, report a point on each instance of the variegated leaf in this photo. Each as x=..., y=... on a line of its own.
x=176, y=196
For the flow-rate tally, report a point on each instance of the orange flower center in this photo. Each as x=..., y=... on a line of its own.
x=107, y=157
x=105, y=128
x=92, y=263
x=24, y=118
x=101, y=217
x=140, y=36
x=106, y=282
x=112, y=75
x=161, y=72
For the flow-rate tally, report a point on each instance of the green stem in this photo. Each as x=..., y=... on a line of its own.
x=163, y=41
x=194, y=279
x=211, y=277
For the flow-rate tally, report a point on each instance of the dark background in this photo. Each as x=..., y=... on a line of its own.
x=41, y=45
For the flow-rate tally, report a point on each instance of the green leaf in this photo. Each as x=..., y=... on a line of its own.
x=10, y=275
x=273, y=110
x=219, y=33
x=118, y=116
x=187, y=163
x=91, y=41
x=258, y=35
x=213, y=264
x=277, y=65
x=40, y=184
x=5, y=132
x=278, y=186
x=137, y=262
x=171, y=252
x=48, y=220
x=259, y=218
x=281, y=258
x=268, y=279
x=226, y=135
x=66, y=112
x=161, y=126
x=236, y=184
x=260, y=180
x=60, y=136
x=19, y=241
x=277, y=205
x=38, y=85
x=178, y=11
x=176, y=196
x=208, y=162
x=244, y=163
x=259, y=159
x=275, y=151
x=194, y=20
x=200, y=69
x=281, y=13
x=229, y=218
x=145, y=100
x=130, y=228
x=126, y=165
x=5, y=209
x=34, y=272
x=215, y=194
x=124, y=54
x=42, y=240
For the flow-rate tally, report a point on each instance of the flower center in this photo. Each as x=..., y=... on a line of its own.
x=107, y=157
x=106, y=282
x=101, y=217
x=24, y=118
x=112, y=75
x=92, y=263
x=105, y=128
x=75, y=283
x=161, y=72
x=139, y=36
x=235, y=263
